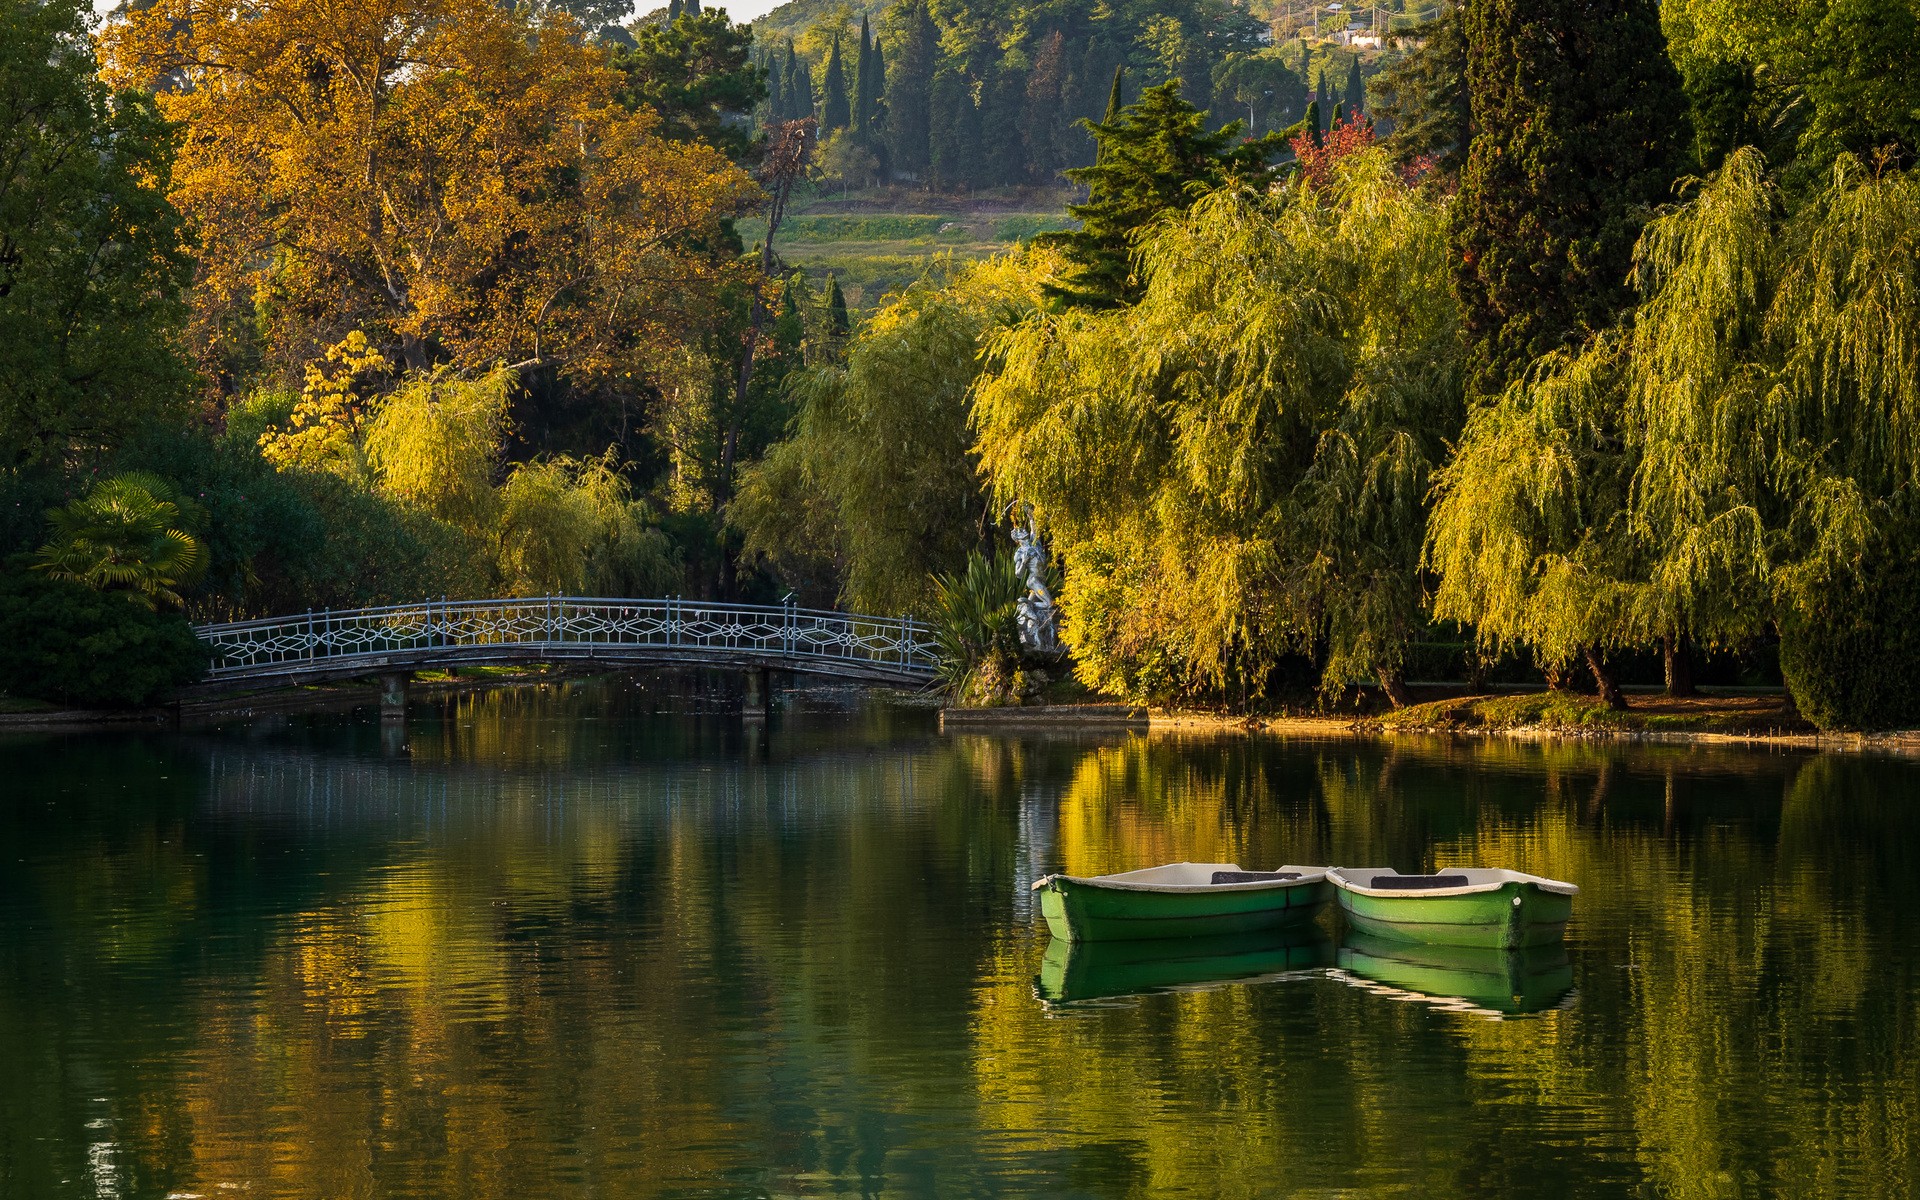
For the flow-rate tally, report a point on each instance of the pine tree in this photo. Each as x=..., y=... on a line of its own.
x=1152, y=160
x=834, y=111
x=1355, y=94
x=909, y=96
x=1573, y=102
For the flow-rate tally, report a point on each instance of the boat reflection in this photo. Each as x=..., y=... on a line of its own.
x=1075, y=971
x=1471, y=979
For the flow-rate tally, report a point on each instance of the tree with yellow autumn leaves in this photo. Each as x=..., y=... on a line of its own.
x=455, y=179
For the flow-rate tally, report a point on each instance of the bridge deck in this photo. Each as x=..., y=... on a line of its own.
x=628, y=632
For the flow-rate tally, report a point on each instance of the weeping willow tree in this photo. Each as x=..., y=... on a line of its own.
x=570, y=526
x=1746, y=451
x=1235, y=469
x=876, y=492
x=435, y=442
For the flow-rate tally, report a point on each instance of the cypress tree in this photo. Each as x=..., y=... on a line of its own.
x=776, y=87
x=861, y=118
x=1155, y=158
x=1001, y=161
x=1040, y=118
x=1573, y=104
x=1314, y=127
x=1115, y=101
x=838, y=323
x=953, y=131
x=690, y=8
x=834, y=113
x=799, y=86
x=909, y=94
x=673, y=11
x=1324, y=94
x=877, y=120
x=1339, y=116
x=1355, y=96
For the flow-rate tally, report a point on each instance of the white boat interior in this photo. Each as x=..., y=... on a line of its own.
x=1454, y=881
x=1188, y=877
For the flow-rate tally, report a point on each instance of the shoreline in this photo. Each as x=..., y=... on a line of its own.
x=1032, y=719
x=1371, y=728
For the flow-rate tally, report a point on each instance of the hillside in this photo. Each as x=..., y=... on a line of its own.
x=957, y=121
x=880, y=240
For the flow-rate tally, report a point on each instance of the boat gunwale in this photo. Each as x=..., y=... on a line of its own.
x=1116, y=882
x=1338, y=877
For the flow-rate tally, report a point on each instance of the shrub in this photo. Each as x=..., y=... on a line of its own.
x=68, y=644
x=976, y=623
x=1854, y=661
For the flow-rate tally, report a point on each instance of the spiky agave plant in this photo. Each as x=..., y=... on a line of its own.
x=976, y=616
x=124, y=535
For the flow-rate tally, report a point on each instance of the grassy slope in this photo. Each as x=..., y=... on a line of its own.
x=881, y=240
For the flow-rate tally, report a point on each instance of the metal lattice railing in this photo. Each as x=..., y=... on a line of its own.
x=568, y=627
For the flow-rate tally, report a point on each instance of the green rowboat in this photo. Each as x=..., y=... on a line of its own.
x=1498, y=909
x=1074, y=971
x=1179, y=900
x=1484, y=980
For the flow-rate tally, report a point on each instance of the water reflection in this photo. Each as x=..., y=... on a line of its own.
x=1076, y=971
x=1488, y=981
x=568, y=944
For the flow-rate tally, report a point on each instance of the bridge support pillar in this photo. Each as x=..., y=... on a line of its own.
x=755, y=707
x=393, y=694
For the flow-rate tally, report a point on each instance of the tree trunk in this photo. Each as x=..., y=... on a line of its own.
x=1604, y=680
x=1679, y=666
x=1394, y=684
x=1556, y=678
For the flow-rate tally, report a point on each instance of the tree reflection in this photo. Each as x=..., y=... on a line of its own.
x=569, y=950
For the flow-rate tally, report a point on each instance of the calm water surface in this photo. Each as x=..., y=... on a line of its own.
x=561, y=943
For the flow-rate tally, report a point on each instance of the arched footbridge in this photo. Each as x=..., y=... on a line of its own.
x=315, y=646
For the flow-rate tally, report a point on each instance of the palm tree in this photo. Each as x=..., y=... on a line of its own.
x=124, y=536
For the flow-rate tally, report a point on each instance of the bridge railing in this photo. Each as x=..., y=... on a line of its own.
x=443, y=629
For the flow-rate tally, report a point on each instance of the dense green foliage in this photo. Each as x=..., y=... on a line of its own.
x=68, y=644
x=694, y=72
x=1154, y=159
x=91, y=261
x=1848, y=653
x=1575, y=109
x=1805, y=82
x=1235, y=469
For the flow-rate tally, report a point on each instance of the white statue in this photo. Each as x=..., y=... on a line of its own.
x=1039, y=624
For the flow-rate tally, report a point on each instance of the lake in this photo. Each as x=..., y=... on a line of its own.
x=589, y=940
